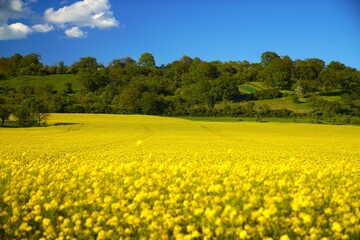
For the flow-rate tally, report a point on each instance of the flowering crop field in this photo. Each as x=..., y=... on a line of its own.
x=143, y=177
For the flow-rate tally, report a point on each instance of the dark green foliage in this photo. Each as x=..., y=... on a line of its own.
x=308, y=69
x=295, y=99
x=129, y=101
x=31, y=65
x=268, y=94
x=86, y=63
x=18, y=65
x=350, y=82
x=61, y=68
x=5, y=111
x=328, y=108
x=68, y=87
x=91, y=79
x=268, y=57
x=329, y=79
x=91, y=74
x=278, y=72
x=32, y=111
x=152, y=104
x=225, y=89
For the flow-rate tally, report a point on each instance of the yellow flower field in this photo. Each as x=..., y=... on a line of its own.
x=143, y=177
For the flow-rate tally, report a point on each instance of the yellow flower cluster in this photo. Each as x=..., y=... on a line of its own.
x=126, y=177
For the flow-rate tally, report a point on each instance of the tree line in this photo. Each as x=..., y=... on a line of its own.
x=188, y=86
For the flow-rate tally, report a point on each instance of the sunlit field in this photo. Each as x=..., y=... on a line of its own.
x=143, y=177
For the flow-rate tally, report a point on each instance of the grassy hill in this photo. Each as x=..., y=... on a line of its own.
x=250, y=88
x=285, y=102
x=57, y=81
x=277, y=103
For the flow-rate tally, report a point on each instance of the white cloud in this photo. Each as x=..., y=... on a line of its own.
x=75, y=32
x=86, y=13
x=11, y=9
x=14, y=31
x=82, y=13
x=14, y=5
x=43, y=28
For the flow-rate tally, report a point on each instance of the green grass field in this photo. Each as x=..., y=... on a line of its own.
x=262, y=120
x=251, y=87
x=285, y=102
x=57, y=81
x=245, y=89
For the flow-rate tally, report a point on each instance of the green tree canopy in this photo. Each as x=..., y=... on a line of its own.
x=86, y=63
x=32, y=111
x=147, y=60
x=329, y=79
x=279, y=72
x=268, y=57
x=350, y=82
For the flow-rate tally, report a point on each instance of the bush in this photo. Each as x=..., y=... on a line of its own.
x=32, y=112
x=5, y=112
x=267, y=94
x=281, y=113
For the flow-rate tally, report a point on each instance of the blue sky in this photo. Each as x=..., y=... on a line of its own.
x=232, y=30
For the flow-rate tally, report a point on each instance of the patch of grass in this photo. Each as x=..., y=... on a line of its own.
x=304, y=119
x=280, y=103
x=57, y=81
x=281, y=120
x=250, y=88
x=246, y=89
x=257, y=85
x=331, y=98
x=10, y=124
x=212, y=119
x=251, y=119
x=287, y=92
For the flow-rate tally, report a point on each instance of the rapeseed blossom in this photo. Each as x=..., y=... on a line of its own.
x=112, y=177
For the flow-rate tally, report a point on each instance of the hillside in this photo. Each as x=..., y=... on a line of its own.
x=278, y=87
x=55, y=81
x=251, y=87
x=249, y=90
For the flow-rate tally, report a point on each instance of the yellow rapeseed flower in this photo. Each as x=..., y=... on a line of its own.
x=336, y=227
x=190, y=180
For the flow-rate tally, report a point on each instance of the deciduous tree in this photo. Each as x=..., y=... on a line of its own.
x=268, y=57
x=5, y=111
x=147, y=60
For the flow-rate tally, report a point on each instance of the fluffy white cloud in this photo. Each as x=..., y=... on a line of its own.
x=75, y=32
x=83, y=13
x=11, y=9
x=86, y=13
x=14, y=31
x=11, y=5
x=43, y=28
